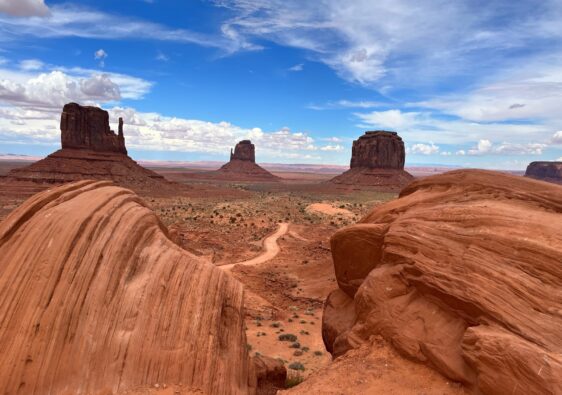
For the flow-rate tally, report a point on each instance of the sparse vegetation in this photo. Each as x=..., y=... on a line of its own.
x=293, y=380
x=296, y=366
x=287, y=337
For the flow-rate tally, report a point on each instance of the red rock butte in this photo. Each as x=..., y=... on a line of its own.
x=546, y=171
x=91, y=150
x=463, y=273
x=242, y=165
x=377, y=160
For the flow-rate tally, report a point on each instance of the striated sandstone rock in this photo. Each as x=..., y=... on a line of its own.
x=244, y=150
x=377, y=159
x=547, y=171
x=464, y=274
x=95, y=299
x=85, y=127
x=378, y=150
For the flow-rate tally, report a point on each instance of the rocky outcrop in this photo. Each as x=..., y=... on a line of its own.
x=241, y=167
x=546, y=171
x=95, y=299
x=85, y=127
x=463, y=273
x=377, y=159
x=271, y=375
x=90, y=150
x=244, y=150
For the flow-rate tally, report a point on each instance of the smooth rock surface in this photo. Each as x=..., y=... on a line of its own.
x=95, y=299
x=466, y=277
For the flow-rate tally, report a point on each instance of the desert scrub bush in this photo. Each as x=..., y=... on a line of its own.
x=275, y=324
x=287, y=337
x=318, y=353
x=293, y=380
x=305, y=349
x=297, y=353
x=303, y=332
x=296, y=366
x=295, y=345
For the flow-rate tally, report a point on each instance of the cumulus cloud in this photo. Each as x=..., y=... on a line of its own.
x=557, y=137
x=24, y=8
x=484, y=147
x=333, y=148
x=56, y=88
x=423, y=149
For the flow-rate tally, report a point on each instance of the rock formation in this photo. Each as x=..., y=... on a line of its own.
x=95, y=299
x=90, y=150
x=546, y=171
x=377, y=160
x=85, y=127
x=242, y=166
x=244, y=150
x=463, y=273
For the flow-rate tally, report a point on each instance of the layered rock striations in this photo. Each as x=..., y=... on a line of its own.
x=377, y=159
x=463, y=273
x=95, y=299
x=242, y=166
x=85, y=127
x=91, y=150
x=546, y=171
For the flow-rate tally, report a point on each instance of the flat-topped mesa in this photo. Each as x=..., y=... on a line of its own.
x=244, y=150
x=547, y=171
x=85, y=127
x=378, y=150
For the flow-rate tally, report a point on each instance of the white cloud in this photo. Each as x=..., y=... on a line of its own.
x=423, y=149
x=557, y=137
x=24, y=8
x=485, y=147
x=297, y=67
x=101, y=55
x=393, y=119
x=31, y=64
x=333, y=148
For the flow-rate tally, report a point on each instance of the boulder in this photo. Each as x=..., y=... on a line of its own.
x=463, y=273
x=271, y=375
x=377, y=160
x=546, y=171
x=95, y=299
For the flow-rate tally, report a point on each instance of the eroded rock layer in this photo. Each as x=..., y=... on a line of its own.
x=377, y=159
x=95, y=299
x=244, y=150
x=547, y=171
x=90, y=150
x=462, y=272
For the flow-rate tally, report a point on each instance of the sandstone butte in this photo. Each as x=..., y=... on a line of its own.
x=462, y=273
x=546, y=171
x=91, y=150
x=97, y=300
x=242, y=165
x=377, y=160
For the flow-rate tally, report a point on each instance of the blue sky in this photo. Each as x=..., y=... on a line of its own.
x=468, y=83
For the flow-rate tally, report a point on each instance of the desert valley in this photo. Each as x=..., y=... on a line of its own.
x=120, y=279
x=247, y=197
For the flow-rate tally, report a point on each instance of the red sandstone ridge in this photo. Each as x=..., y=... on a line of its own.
x=95, y=299
x=546, y=171
x=463, y=273
x=242, y=166
x=377, y=160
x=90, y=150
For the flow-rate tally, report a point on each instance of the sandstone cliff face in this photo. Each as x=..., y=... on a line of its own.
x=95, y=299
x=84, y=127
x=377, y=160
x=462, y=272
x=378, y=150
x=244, y=150
x=547, y=171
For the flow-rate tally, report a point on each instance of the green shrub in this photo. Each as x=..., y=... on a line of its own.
x=287, y=337
x=296, y=366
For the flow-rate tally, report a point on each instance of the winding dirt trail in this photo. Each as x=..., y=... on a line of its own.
x=271, y=249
